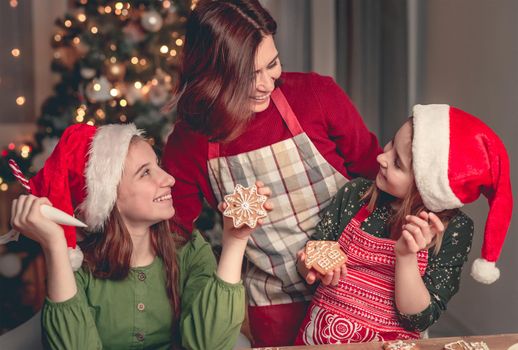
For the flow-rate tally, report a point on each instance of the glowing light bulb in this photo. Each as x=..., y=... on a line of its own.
x=20, y=100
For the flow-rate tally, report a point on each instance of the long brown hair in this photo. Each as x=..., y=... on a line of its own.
x=217, y=73
x=107, y=255
x=411, y=204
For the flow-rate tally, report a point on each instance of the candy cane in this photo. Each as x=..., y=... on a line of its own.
x=19, y=175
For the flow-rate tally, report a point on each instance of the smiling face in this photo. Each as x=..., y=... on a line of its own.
x=396, y=176
x=144, y=193
x=267, y=70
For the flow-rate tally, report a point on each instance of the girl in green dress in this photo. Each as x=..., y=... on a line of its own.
x=138, y=285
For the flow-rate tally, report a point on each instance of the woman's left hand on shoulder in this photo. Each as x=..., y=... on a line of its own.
x=244, y=232
x=418, y=232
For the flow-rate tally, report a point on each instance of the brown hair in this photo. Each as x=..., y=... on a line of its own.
x=107, y=255
x=216, y=78
x=412, y=204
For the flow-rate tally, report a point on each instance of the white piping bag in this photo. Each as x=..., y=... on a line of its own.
x=56, y=215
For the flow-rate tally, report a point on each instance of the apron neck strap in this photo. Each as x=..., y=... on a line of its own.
x=286, y=112
x=362, y=214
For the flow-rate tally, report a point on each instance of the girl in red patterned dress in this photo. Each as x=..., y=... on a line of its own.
x=405, y=238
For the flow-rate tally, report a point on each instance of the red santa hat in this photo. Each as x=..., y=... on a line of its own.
x=456, y=157
x=83, y=173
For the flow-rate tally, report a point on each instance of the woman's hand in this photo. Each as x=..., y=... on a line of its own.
x=26, y=218
x=418, y=233
x=244, y=232
x=311, y=276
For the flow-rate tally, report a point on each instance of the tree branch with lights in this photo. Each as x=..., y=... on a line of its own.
x=118, y=62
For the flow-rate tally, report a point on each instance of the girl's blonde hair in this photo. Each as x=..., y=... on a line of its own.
x=411, y=204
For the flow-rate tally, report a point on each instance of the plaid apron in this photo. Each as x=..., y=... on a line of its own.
x=361, y=308
x=302, y=184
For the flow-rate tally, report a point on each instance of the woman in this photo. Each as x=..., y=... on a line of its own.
x=241, y=118
x=139, y=285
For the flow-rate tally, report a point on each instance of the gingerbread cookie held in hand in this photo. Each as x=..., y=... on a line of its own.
x=245, y=206
x=324, y=256
x=322, y=261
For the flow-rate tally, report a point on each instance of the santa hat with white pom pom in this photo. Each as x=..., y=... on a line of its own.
x=456, y=157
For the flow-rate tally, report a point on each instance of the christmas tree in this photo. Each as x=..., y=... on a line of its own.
x=118, y=62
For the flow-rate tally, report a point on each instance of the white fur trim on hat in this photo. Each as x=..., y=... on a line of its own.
x=103, y=172
x=484, y=271
x=76, y=257
x=430, y=154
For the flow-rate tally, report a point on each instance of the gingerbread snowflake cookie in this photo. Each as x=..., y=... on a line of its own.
x=324, y=256
x=399, y=345
x=464, y=345
x=245, y=206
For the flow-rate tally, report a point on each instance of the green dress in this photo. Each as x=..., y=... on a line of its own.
x=442, y=275
x=135, y=313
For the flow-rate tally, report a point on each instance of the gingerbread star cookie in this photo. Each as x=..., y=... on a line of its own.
x=245, y=206
x=324, y=256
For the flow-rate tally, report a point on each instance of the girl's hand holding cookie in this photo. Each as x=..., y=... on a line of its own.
x=243, y=231
x=311, y=275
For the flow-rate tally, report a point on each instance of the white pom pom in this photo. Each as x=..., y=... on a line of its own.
x=76, y=257
x=484, y=271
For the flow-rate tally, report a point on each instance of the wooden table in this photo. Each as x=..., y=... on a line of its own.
x=494, y=342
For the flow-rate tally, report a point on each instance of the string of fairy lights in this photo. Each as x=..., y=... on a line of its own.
x=16, y=51
x=20, y=99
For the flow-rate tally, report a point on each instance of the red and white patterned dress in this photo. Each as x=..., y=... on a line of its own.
x=361, y=308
